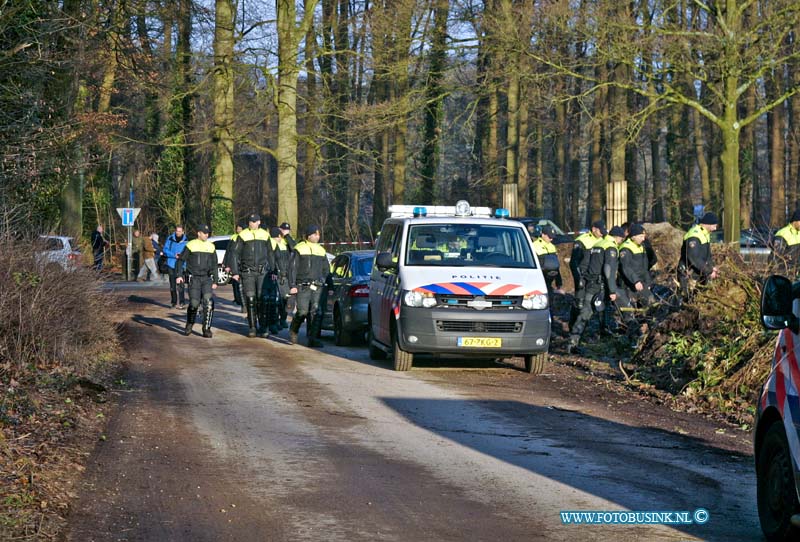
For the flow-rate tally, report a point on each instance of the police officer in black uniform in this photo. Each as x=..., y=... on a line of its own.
x=308, y=269
x=251, y=261
x=199, y=263
x=286, y=230
x=634, y=277
x=276, y=291
x=548, y=258
x=695, y=264
x=579, y=262
x=600, y=283
x=229, y=255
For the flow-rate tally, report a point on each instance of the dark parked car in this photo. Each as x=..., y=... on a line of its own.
x=751, y=241
x=561, y=236
x=348, y=296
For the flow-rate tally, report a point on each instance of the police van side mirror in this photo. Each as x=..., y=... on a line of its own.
x=385, y=261
x=776, y=304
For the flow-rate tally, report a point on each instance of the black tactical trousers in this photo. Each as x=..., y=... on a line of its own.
x=252, y=283
x=308, y=296
x=200, y=291
x=176, y=291
x=586, y=309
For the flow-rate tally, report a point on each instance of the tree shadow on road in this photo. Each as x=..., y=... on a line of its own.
x=602, y=458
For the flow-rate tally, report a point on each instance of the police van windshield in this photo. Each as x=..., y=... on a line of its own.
x=447, y=245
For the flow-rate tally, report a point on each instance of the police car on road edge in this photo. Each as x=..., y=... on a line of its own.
x=776, y=440
x=483, y=298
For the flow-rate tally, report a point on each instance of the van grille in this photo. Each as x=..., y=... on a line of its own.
x=468, y=326
x=499, y=302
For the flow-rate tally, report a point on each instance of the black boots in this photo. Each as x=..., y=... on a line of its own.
x=191, y=314
x=262, y=318
x=297, y=321
x=314, y=325
x=252, y=317
x=208, y=317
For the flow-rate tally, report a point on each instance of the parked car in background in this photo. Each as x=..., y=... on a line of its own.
x=752, y=241
x=348, y=296
x=221, y=244
x=560, y=237
x=60, y=251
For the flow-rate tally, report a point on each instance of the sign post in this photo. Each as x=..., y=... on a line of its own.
x=128, y=215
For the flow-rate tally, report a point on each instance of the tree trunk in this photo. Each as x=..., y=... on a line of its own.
x=729, y=126
x=192, y=202
x=522, y=175
x=290, y=33
x=747, y=160
x=512, y=143
x=700, y=155
x=538, y=204
x=434, y=99
x=777, y=171
x=70, y=89
x=597, y=181
x=310, y=185
x=112, y=62
x=493, y=147
x=223, y=117
x=561, y=165
x=794, y=146
x=617, y=195
x=658, y=214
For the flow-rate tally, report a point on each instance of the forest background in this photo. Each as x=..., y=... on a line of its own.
x=330, y=110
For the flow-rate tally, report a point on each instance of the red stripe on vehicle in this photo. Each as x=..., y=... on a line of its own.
x=780, y=388
x=456, y=289
x=503, y=289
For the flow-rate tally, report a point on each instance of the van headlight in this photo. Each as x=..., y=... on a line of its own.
x=419, y=299
x=534, y=302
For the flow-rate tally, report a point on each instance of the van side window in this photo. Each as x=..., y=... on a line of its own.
x=386, y=242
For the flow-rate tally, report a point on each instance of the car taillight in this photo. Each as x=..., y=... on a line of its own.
x=359, y=291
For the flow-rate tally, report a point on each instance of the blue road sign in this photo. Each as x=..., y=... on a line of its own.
x=128, y=215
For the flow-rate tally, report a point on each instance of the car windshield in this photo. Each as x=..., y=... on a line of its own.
x=362, y=266
x=447, y=245
x=221, y=244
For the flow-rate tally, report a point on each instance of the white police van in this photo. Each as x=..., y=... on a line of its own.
x=452, y=281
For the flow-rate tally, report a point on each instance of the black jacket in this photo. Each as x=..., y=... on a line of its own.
x=199, y=259
x=696, y=253
x=634, y=265
x=252, y=251
x=281, y=256
x=308, y=264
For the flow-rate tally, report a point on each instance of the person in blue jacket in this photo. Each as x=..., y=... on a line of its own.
x=173, y=247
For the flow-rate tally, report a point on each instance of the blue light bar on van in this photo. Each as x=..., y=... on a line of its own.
x=420, y=211
x=501, y=213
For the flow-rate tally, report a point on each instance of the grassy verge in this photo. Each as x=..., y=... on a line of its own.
x=59, y=352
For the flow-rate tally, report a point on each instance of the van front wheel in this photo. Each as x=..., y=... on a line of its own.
x=776, y=494
x=534, y=363
x=402, y=360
